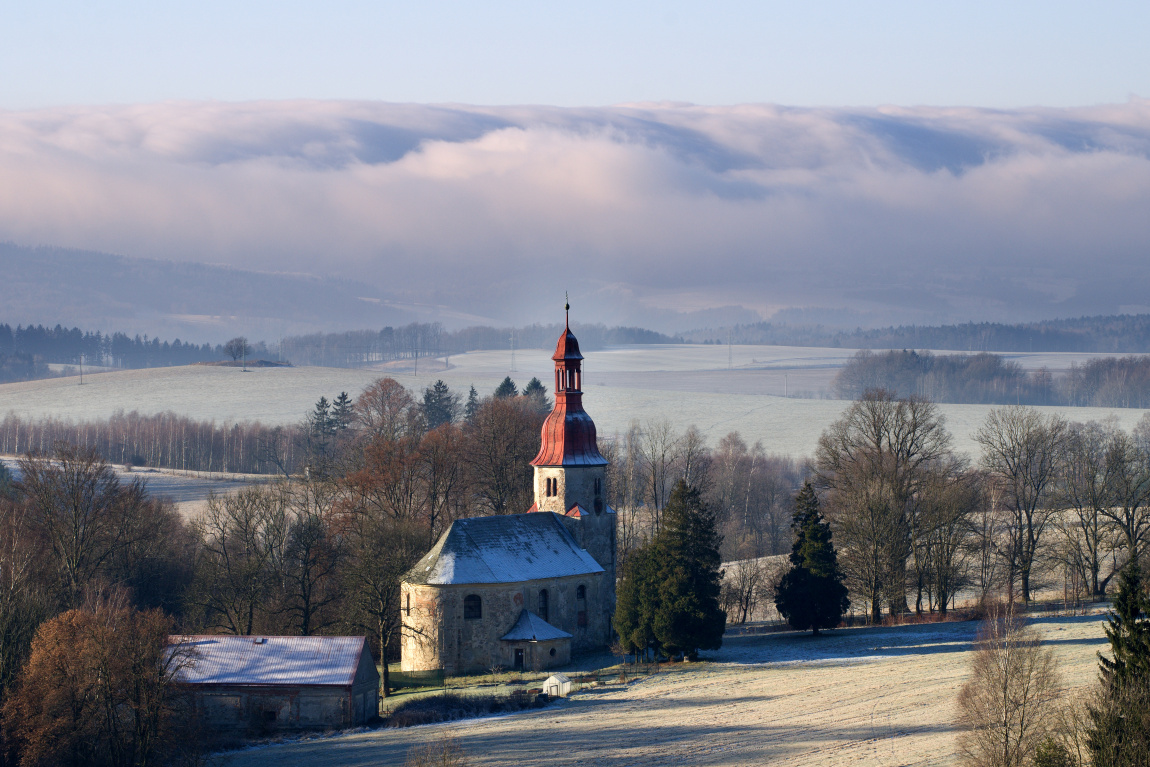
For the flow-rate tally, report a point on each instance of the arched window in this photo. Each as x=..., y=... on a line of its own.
x=581, y=592
x=542, y=604
x=407, y=604
x=472, y=607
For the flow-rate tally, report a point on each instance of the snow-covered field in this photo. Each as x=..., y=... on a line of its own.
x=686, y=384
x=188, y=490
x=880, y=696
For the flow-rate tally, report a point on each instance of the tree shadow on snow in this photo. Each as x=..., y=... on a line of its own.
x=848, y=645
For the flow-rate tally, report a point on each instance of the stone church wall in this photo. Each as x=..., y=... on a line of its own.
x=437, y=635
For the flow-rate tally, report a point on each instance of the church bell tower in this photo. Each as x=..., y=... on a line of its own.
x=570, y=473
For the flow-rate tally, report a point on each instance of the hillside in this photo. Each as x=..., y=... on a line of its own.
x=623, y=384
x=875, y=696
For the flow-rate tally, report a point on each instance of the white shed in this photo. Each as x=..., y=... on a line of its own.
x=557, y=686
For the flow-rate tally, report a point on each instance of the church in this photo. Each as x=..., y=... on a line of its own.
x=523, y=591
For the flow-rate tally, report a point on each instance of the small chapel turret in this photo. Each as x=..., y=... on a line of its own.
x=570, y=472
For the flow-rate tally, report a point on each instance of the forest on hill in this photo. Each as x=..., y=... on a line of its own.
x=27, y=350
x=1123, y=333
x=990, y=379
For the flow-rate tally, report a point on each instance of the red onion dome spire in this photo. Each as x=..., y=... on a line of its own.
x=568, y=432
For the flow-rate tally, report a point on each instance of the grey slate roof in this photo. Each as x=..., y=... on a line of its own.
x=531, y=628
x=278, y=660
x=504, y=549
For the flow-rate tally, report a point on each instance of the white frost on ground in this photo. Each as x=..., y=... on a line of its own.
x=877, y=696
x=622, y=385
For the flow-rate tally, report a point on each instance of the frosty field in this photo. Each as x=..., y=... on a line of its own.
x=686, y=384
x=878, y=696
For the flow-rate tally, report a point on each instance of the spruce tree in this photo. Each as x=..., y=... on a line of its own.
x=440, y=406
x=688, y=617
x=506, y=389
x=638, y=597
x=341, y=412
x=472, y=405
x=536, y=393
x=6, y=489
x=1119, y=731
x=811, y=595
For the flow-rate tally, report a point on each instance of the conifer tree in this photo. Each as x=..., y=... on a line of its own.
x=688, y=617
x=1119, y=732
x=536, y=393
x=811, y=595
x=506, y=389
x=6, y=489
x=341, y=412
x=638, y=596
x=472, y=405
x=440, y=406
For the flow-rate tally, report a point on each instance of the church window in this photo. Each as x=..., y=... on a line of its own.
x=552, y=652
x=407, y=604
x=472, y=607
x=598, y=486
x=543, y=604
x=581, y=592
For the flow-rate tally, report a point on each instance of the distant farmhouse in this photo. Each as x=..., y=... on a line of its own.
x=522, y=591
x=267, y=683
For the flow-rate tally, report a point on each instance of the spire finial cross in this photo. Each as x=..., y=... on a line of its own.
x=567, y=308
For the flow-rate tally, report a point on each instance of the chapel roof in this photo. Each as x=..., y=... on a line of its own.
x=503, y=549
x=531, y=628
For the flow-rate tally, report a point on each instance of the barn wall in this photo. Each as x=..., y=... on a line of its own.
x=279, y=708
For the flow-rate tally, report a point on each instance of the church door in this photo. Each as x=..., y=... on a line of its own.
x=518, y=658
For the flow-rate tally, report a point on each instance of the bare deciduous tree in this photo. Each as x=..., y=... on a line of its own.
x=1022, y=450
x=1008, y=706
x=80, y=507
x=660, y=449
x=235, y=568
x=874, y=461
x=237, y=347
x=1084, y=491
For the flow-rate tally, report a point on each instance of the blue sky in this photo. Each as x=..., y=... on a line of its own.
x=976, y=53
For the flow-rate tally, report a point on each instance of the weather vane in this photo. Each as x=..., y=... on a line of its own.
x=567, y=306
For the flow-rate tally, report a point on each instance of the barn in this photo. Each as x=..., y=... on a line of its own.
x=265, y=683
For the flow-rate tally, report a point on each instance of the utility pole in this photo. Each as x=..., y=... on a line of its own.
x=81, y=369
x=513, y=350
x=730, y=352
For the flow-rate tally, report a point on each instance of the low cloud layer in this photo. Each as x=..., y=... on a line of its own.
x=898, y=214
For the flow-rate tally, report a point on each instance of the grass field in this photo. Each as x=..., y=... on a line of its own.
x=868, y=696
x=687, y=384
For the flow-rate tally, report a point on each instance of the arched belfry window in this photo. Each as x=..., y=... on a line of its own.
x=472, y=607
x=581, y=592
x=542, y=604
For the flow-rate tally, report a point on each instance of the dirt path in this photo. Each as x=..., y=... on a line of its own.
x=860, y=696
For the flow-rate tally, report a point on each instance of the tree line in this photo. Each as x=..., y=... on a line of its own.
x=418, y=340
x=1123, y=333
x=26, y=351
x=1048, y=503
x=991, y=379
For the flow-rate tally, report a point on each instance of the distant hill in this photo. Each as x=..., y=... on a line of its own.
x=99, y=291
x=1123, y=333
